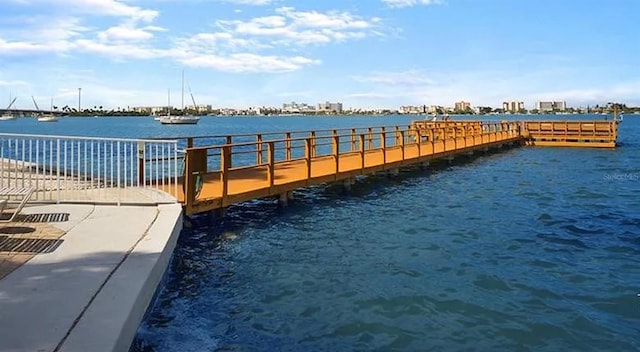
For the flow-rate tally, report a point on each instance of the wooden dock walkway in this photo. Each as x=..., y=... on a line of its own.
x=249, y=167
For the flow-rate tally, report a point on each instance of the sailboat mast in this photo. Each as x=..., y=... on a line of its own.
x=183, y=91
x=169, y=102
x=34, y=103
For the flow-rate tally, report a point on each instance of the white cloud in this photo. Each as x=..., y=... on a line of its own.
x=410, y=3
x=8, y=48
x=96, y=7
x=12, y=83
x=298, y=28
x=125, y=33
x=235, y=46
x=117, y=50
x=404, y=78
x=249, y=62
x=249, y=2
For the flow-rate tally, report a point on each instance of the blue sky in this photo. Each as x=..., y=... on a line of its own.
x=365, y=53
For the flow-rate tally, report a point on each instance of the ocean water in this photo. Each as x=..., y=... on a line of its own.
x=521, y=249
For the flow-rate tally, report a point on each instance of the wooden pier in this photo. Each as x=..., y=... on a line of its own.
x=247, y=167
x=593, y=134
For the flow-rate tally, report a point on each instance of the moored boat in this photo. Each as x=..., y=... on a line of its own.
x=8, y=115
x=179, y=120
x=46, y=117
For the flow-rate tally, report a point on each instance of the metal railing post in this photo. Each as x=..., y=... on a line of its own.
x=141, y=161
x=57, y=170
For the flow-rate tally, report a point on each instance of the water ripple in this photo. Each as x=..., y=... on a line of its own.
x=527, y=249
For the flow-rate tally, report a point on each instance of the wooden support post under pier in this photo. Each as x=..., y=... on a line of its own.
x=284, y=198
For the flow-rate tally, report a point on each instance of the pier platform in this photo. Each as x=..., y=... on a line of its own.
x=80, y=277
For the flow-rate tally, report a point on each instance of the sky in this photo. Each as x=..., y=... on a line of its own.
x=363, y=53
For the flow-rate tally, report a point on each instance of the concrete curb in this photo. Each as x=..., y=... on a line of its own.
x=111, y=321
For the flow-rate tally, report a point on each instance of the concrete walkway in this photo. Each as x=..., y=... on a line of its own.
x=89, y=290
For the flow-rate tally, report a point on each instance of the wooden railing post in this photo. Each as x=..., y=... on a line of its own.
x=397, y=135
x=336, y=152
x=418, y=133
x=287, y=144
x=189, y=180
x=401, y=139
x=313, y=144
x=362, y=149
x=229, y=140
x=307, y=156
x=383, y=145
x=271, y=157
x=370, y=138
x=225, y=165
x=353, y=139
x=259, y=149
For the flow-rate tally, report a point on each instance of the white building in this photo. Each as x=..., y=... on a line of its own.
x=410, y=109
x=328, y=107
x=512, y=106
x=295, y=108
x=199, y=108
x=545, y=106
x=151, y=110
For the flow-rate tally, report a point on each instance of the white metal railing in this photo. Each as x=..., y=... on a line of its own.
x=93, y=170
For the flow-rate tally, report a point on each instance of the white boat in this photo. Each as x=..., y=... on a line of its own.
x=179, y=120
x=8, y=115
x=45, y=116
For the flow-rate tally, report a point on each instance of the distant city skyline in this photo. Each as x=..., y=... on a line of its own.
x=373, y=54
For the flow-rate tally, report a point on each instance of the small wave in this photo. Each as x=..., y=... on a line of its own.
x=552, y=238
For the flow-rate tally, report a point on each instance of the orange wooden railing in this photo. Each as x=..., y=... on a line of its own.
x=219, y=175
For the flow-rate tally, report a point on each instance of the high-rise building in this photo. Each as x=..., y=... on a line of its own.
x=512, y=106
x=545, y=106
x=335, y=108
x=462, y=106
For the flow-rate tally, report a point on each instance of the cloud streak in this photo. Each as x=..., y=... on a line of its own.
x=410, y=3
x=235, y=46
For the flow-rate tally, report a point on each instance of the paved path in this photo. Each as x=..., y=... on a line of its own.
x=87, y=290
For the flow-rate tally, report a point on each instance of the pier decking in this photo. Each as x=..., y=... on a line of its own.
x=275, y=167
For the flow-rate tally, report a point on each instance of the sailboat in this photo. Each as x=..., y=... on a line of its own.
x=45, y=116
x=8, y=115
x=179, y=120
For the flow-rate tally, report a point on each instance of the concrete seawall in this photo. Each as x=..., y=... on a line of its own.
x=92, y=291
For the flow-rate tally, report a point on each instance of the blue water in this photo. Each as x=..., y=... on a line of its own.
x=522, y=249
